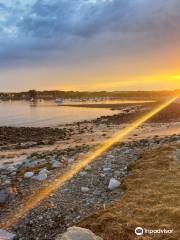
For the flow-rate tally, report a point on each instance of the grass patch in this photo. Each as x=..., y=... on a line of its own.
x=151, y=200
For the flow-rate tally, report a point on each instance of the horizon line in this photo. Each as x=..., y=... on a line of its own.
x=100, y=91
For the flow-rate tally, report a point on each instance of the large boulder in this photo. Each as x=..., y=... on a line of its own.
x=77, y=233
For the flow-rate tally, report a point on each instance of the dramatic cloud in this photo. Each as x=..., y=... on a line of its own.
x=34, y=30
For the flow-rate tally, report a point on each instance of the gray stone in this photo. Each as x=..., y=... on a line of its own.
x=56, y=164
x=29, y=163
x=40, y=177
x=2, y=168
x=28, y=175
x=82, y=173
x=13, y=174
x=4, y=195
x=7, y=182
x=4, y=235
x=11, y=169
x=84, y=189
x=44, y=170
x=77, y=233
x=113, y=184
x=71, y=160
x=117, y=173
x=106, y=169
x=88, y=168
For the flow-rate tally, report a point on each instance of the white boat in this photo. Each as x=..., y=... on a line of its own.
x=58, y=100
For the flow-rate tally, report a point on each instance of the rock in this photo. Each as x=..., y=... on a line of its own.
x=110, y=156
x=84, y=189
x=77, y=233
x=113, y=184
x=56, y=164
x=62, y=159
x=13, y=174
x=71, y=160
x=3, y=167
x=117, y=173
x=6, y=195
x=106, y=169
x=28, y=175
x=29, y=163
x=88, y=168
x=7, y=182
x=18, y=165
x=44, y=170
x=11, y=169
x=102, y=175
x=82, y=173
x=40, y=177
x=4, y=235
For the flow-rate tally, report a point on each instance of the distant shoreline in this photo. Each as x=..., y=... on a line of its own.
x=115, y=106
x=123, y=95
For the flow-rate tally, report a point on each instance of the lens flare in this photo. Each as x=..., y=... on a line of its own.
x=34, y=200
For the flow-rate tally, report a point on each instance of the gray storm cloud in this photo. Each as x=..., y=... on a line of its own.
x=41, y=29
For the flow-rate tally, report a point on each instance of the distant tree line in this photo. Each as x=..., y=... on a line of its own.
x=51, y=95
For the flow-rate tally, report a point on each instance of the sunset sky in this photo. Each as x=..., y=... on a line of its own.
x=89, y=44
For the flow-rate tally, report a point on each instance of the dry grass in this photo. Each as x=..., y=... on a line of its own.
x=152, y=200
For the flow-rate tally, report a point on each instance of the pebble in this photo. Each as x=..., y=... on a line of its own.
x=56, y=164
x=106, y=169
x=88, y=168
x=28, y=175
x=40, y=177
x=4, y=195
x=11, y=169
x=13, y=174
x=82, y=173
x=113, y=184
x=117, y=173
x=29, y=163
x=44, y=170
x=71, y=160
x=7, y=182
x=84, y=189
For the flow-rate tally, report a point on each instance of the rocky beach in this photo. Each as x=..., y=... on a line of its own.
x=33, y=158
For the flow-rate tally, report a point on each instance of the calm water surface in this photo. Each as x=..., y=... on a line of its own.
x=46, y=114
